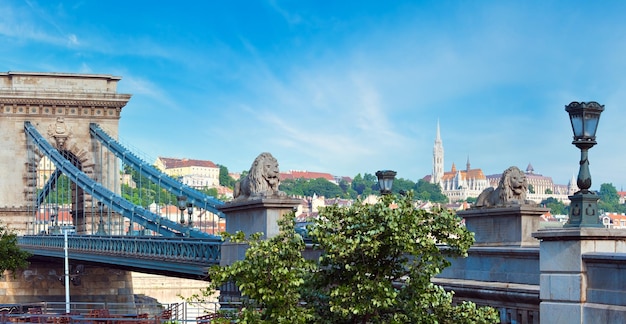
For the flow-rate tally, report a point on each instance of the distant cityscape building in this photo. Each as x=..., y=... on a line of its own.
x=296, y=174
x=456, y=184
x=459, y=184
x=614, y=220
x=194, y=173
x=541, y=187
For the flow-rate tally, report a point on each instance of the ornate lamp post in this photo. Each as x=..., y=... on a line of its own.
x=101, y=230
x=584, y=116
x=190, y=213
x=385, y=181
x=54, y=220
x=182, y=205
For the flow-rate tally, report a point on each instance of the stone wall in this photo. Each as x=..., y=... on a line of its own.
x=44, y=281
x=167, y=290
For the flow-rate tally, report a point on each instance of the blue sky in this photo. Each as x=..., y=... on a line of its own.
x=345, y=87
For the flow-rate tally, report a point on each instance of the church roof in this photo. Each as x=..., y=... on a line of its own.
x=529, y=168
x=465, y=174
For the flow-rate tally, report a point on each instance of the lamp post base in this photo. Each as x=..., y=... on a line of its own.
x=583, y=211
x=101, y=230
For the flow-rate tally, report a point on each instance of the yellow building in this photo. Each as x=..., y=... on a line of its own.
x=194, y=173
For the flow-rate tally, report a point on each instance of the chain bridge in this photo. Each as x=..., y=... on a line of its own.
x=64, y=172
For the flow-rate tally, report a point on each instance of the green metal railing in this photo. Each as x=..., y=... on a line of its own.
x=184, y=255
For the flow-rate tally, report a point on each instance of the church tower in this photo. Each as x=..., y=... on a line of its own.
x=572, y=186
x=437, y=175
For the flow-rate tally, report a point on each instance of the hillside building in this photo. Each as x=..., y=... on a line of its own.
x=308, y=175
x=460, y=184
x=194, y=173
x=541, y=187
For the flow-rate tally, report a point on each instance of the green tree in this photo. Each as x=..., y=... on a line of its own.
x=609, y=198
x=548, y=191
x=292, y=187
x=145, y=192
x=365, y=185
x=376, y=267
x=12, y=258
x=531, y=189
x=210, y=192
x=61, y=193
x=322, y=187
x=368, y=249
x=225, y=179
x=402, y=185
x=347, y=189
x=270, y=277
x=556, y=206
x=427, y=191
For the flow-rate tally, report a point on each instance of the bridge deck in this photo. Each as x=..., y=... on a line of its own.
x=183, y=257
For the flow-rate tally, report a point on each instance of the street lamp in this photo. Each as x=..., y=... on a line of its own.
x=101, y=230
x=190, y=212
x=182, y=205
x=53, y=219
x=385, y=181
x=584, y=117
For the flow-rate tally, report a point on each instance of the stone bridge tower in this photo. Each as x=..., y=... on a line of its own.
x=61, y=106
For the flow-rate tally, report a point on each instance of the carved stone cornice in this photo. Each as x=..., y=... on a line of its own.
x=68, y=111
x=64, y=102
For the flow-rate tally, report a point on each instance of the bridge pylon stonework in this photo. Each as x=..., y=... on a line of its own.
x=61, y=106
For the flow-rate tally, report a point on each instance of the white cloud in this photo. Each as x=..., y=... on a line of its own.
x=72, y=40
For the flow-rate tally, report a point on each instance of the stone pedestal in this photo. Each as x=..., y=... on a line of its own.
x=249, y=216
x=504, y=226
x=253, y=216
x=564, y=273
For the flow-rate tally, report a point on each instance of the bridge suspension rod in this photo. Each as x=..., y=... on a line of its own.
x=117, y=203
x=195, y=197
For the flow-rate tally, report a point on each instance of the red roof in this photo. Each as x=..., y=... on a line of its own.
x=306, y=175
x=171, y=163
x=616, y=216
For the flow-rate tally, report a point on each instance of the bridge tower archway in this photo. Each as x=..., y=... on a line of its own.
x=61, y=106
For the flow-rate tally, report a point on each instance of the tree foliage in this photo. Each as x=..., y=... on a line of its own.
x=609, y=199
x=364, y=185
x=427, y=191
x=145, y=192
x=270, y=277
x=361, y=187
x=556, y=206
x=369, y=249
x=309, y=187
x=376, y=267
x=225, y=179
x=61, y=193
x=12, y=258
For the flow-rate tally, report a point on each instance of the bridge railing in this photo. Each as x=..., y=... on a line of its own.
x=188, y=250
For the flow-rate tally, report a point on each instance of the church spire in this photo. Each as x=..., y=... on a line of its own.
x=438, y=138
x=437, y=175
x=467, y=165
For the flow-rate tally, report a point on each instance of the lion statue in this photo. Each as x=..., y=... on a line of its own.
x=262, y=179
x=511, y=190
